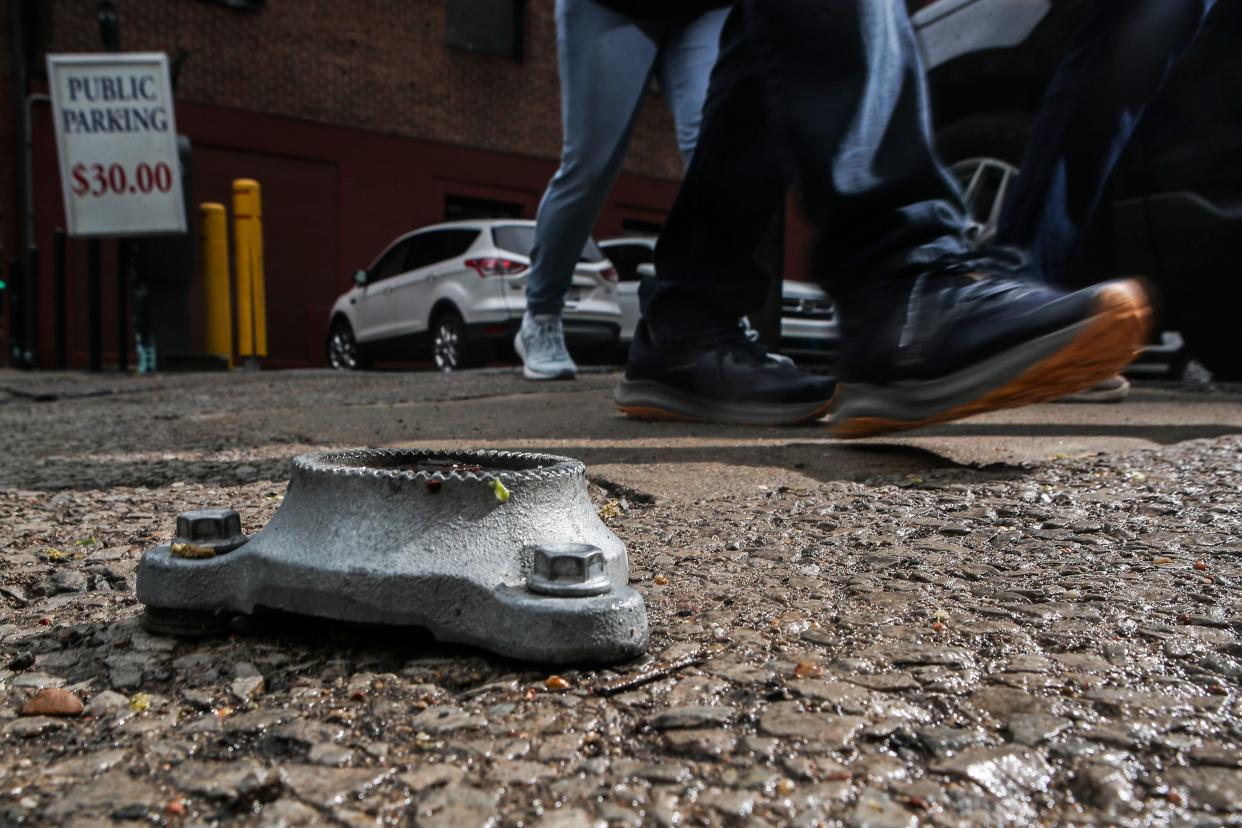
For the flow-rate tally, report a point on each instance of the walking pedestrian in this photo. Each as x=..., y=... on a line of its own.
x=1119, y=61
x=609, y=50
x=831, y=97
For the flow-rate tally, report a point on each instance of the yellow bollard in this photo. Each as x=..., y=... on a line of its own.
x=248, y=263
x=214, y=243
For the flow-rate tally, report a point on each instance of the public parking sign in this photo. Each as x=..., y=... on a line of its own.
x=117, y=143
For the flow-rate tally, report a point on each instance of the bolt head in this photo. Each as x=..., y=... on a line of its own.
x=567, y=569
x=208, y=525
x=207, y=532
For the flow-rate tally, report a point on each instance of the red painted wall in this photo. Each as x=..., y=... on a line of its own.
x=332, y=198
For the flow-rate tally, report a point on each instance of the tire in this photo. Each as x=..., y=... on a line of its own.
x=344, y=353
x=449, y=349
x=984, y=153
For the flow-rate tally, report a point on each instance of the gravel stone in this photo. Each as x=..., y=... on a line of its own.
x=326, y=753
x=66, y=580
x=106, y=701
x=446, y=719
x=705, y=744
x=456, y=806
x=833, y=731
x=946, y=741
x=330, y=786
x=431, y=776
x=37, y=681
x=1213, y=789
x=1004, y=772
x=225, y=782
x=109, y=795
x=678, y=718
x=288, y=813
x=876, y=810
x=52, y=701
x=1108, y=787
x=247, y=688
x=26, y=728
x=1036, y=728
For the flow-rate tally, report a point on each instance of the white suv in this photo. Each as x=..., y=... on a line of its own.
x=454, y=289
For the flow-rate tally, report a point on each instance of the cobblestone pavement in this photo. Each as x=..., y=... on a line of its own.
x=1051, y=643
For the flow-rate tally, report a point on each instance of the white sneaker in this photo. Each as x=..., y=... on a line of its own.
x=540, y=342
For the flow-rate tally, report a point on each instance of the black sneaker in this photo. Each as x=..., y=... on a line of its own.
x=959, y=341
x=733, y=381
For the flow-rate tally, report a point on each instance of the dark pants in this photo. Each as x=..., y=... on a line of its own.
x=826, y=95
x=1118, y=63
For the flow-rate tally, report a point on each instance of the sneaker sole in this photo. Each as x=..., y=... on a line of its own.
x=1096, y=396
x=567, y=374
x=646, y=400
x=1058, y=364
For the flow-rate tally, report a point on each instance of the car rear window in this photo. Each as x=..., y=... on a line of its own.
x=520, y=238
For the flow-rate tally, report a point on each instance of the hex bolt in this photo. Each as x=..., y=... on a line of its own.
x=205, y=533
x=567, y=570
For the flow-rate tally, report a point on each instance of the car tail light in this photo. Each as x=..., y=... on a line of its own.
x=609, y=274
x=496, y=267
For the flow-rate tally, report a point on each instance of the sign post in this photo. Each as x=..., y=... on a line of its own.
x=117, y=142
x=120, y=175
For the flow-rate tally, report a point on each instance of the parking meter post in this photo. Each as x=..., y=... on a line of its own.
x=248, y=255
x=217, y=294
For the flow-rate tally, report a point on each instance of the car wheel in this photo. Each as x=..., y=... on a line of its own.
x=983, y=152
x=449, y=349
x=343, y=351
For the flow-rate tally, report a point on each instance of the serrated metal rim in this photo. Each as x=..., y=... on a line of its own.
x=330, y=462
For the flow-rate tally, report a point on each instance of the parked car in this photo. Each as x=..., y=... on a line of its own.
x=808, y=323
x=809, y=330
x=628, y=254
x=452, y=291
x=1173, y=212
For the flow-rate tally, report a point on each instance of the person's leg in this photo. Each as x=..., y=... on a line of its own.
x=706, y=274
x=843, y=114
x=932, y=332
x=1117, y=64
x=687, y=55
x=606, y=59
x=689, y=359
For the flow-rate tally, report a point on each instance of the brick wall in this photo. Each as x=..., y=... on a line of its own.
x=372, y=64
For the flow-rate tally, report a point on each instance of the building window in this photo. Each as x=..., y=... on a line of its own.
x=490, y=27
x=464, y=208
x=246, y=5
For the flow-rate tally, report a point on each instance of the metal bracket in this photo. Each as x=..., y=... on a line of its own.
x=500, y=550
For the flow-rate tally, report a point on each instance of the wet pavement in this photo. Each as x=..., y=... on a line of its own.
x=1033, y=617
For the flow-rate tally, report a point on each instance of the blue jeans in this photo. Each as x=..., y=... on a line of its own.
x=606, y=62
x=828, y=96
x=1119, y=61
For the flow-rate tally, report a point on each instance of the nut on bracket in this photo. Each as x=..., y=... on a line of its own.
x=567, y=570
x=205, y=533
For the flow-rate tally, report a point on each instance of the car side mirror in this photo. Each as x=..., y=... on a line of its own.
x=360, y=278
